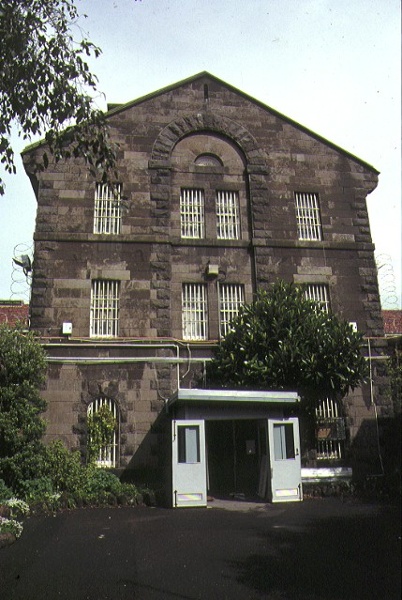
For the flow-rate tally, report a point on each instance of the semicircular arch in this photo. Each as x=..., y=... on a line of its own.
x=208, y=122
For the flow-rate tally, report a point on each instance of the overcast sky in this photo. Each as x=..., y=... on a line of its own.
x=331, y=65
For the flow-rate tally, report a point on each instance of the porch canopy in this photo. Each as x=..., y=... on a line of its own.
x=200, y=403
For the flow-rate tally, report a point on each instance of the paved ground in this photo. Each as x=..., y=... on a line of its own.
x=314, y=550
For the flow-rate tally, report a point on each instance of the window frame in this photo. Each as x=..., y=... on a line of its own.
x=192, y=213
x=234, y=295
x=319, y=293
x=194, y=305
x=109, y=454
x=107, y=209
x=105, y=308
x=308, y=216
x=227, y=214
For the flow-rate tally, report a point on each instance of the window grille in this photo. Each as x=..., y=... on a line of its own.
x=194, y=312
x=319, y=293
x=308, y=216
x=107, y=454
x=331, y=430
x=105, y=300
x=227, y=215
x=231, y=298
x=208, y=160
x=192, y=213
x=107, y=211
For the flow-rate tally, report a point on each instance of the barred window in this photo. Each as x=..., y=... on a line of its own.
x=194, y=311
x=192, y=216
x=330, y=430
x=107, y=210
x=108, y=454
x=227, y=215
x=308, y=216
x=105, y=299
x=318, y=292
x=231, y=298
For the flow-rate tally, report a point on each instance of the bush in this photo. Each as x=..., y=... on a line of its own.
x=103, y=487
x=10, y=526
x=35, y=491
x=5, y=492
x=64, y=468
x=18, y=508
x=23, y=365
x=64, y=482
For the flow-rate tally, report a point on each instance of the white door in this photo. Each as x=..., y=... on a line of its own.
x=284, y=453
x=188, y=464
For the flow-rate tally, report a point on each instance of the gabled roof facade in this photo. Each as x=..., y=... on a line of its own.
x=208, y=79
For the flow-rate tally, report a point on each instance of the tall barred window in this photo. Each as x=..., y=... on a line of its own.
x=227, y=215
x=318, y=292
x=105, y=298
x=330, y=430
x=108, y=453
x=194, y=311
x=231, y=298
x=192, y=216
x=107, y=210
x=308, y=216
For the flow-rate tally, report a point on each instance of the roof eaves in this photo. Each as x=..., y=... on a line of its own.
x=122, y=107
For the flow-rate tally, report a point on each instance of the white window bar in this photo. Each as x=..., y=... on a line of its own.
x=192, y=213
x=194, y=311
x=107, y=211
x=308, y=216
x=231, y=298
x=227, y=215
x=328, y=449
x=319, y=293
x=104, y=321
x=107, y=454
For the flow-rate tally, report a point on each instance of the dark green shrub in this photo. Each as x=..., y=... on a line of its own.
x=36, y=491
x=5, y=492
x=99, y=481
x=22, y=369
x=64, y=469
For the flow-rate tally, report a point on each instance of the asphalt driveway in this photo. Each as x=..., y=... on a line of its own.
x=314, y=550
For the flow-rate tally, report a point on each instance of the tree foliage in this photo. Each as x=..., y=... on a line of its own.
x=283, y=341
x=46, y=84
x=22, y=369
x=395, y=376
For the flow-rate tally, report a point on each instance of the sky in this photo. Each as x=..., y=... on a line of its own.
x=332, y=65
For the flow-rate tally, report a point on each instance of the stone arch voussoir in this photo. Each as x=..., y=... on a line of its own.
x=204, y=122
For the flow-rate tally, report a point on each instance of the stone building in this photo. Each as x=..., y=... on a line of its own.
x=218, y=195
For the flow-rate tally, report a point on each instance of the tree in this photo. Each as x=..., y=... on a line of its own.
x=46, y=85
x=283, y=341
x=22, y=370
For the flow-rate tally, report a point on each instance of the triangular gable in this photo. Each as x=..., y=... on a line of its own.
x=118, y=108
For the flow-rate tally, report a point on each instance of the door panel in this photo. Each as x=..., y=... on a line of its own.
x=188, y=464
x=284, y=452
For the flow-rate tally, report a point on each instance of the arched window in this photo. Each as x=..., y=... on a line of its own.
x=103, y=421
x=208, y=160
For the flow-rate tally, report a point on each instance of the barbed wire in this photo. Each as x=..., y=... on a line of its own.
x=387, y=282
x=21, y=276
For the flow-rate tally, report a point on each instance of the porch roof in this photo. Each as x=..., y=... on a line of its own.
x=197, y=395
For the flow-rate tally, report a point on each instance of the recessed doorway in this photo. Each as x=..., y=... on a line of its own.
x=234, y=450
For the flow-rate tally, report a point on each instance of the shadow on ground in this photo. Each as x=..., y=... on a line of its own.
x=337, y=558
